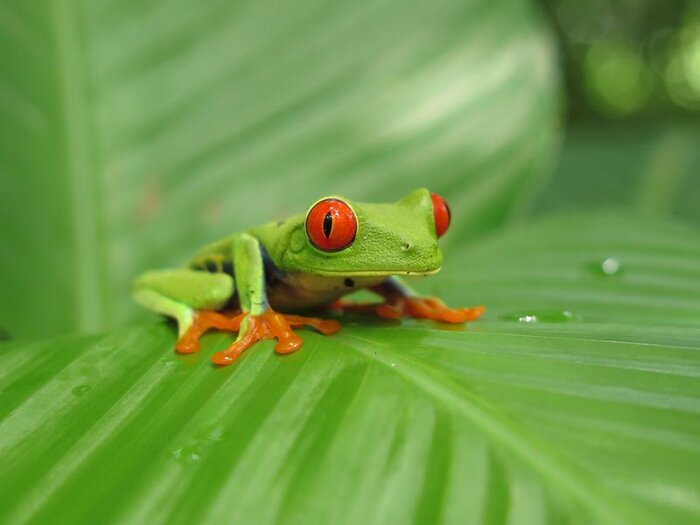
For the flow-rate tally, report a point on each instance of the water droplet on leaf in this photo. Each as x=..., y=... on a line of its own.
x=186, y=454
x=80, y=390
x=610, y=266
x=607, y=267
x=542, y=316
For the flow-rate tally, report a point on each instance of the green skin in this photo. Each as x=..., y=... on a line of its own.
x=275, y=265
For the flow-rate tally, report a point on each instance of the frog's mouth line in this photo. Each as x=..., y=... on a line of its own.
x=372, y=273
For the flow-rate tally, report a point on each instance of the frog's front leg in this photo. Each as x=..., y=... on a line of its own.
x=258, y=321
x=402, y=301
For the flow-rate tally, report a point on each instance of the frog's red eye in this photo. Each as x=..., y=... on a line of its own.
x=441, y=212
x=331, y=225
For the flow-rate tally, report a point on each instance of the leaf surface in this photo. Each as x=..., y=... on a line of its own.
x=529, y=416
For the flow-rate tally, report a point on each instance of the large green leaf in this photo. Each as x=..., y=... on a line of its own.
x=132, y=132
x=576, y=400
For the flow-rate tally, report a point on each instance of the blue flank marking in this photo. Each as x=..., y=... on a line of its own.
x=271, y=271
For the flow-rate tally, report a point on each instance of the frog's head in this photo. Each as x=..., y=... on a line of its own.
x=340, y=237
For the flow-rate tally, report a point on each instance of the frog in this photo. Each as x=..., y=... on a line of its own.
x=260, y=282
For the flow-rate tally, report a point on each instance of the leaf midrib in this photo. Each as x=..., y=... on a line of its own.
x=80, y=166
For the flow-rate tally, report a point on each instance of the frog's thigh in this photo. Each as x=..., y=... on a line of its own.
x=195, y=289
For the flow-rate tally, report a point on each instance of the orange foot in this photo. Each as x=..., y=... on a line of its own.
x=418, y=307
x=268, y=325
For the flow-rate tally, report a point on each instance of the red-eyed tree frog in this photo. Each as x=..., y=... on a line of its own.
x=244, y=282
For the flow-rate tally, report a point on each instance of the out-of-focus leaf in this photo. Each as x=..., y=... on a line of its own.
x=132, y=132
x=653, y=168
x=576, y=400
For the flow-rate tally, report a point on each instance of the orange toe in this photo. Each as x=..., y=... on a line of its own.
x=355, y=308
x=272, y=325
x=268, y=325
x=205, y=320
x=324, y=326
x=435, y=309
x=453, y=316
x=475, y=312
x=432, y=308
x=388, y=311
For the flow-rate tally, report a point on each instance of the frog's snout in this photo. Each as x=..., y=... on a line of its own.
x=418, y=256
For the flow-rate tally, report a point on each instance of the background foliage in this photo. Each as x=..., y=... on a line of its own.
x=143, y=130
x=627, y=59
x=134, y=132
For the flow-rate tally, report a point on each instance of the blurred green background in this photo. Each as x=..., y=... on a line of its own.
x=563, y=133
x=631, y=72
x=135, y=132
x=625, y=59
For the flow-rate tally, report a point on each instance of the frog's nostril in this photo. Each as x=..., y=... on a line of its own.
x=406, y=246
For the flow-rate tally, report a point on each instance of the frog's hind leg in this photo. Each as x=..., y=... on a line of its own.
x=402, y=301
x=182, y=293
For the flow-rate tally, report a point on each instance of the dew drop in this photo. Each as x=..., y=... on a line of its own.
x=216, y=434
x=80, y=390
x=610, y=266
x=606, y=268
x=542, y=316
x=186, y=454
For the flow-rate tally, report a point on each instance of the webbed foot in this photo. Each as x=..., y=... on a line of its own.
x=251, y=329
x=203, y=321
x=416, y=307
x=428, y=308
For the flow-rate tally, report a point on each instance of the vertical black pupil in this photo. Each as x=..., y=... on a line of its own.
x=327, y=224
